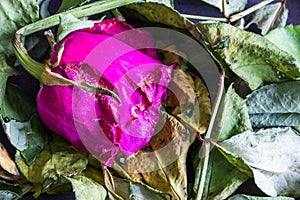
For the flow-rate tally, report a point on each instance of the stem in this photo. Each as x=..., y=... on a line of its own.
x=242, y=14
x=35, y=68
x=278, y=12
x=206, y=145
x=204, y=18
x=83, y=11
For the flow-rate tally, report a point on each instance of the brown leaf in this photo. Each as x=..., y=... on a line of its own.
x=6, y=163
x=162, y=163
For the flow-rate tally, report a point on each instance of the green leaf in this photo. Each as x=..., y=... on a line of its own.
x=85, y=188
x=35, y=139
x=5, y=72
x=222, y=178
x=287, y=39
x=235, y=118
x=69, y=23
x=21, y=123
x=14, y=15
x=247, y=197
x=275, y=105
x=228, y=7
x=58, y=158
x=16, y=105
x=272, y=155
x=9, y=191
x=166, y=16
x=253, y=58
x=269, y=17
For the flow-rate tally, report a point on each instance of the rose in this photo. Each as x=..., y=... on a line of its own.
x=137, y=77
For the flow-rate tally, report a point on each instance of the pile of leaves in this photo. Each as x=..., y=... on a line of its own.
x=252, y=132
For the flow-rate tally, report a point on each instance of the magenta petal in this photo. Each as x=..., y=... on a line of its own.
x=96, y=122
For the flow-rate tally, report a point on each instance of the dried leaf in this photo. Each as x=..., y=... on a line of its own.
x=275, y=105
x=58, y=158
x=162, y=163
x=272, y=155
x=6, y=162
x=269, y=17
x=287, y=39
x=85, y=188
x=228, y=7
x=252, y=57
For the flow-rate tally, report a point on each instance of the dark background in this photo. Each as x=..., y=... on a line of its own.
x=195, y=7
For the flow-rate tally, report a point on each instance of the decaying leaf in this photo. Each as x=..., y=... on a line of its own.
x=253, y=58
x=120, y=188
x=85, y=188
x=21, y=122
x=57, y=159
x=6, y=163
x=269, y=17
x=272, y=156
x=228, y=7
x=162, y=163
x=287, y=39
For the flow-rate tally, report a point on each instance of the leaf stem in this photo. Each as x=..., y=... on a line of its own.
x=278, y=12
x=206, y=144
x=242, y=14
x=220, y=19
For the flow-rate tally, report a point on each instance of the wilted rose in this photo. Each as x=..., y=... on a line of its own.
x=137, y=76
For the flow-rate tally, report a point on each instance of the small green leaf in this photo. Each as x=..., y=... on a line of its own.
x=68, y=4
x=247, y=197
x=275, y=105
x=287, y=39
x=269, y=17
x=14, y=15
x=272, y=155
x=86, y=189
x=69, y=23
x=252, y=57
x=9, y=191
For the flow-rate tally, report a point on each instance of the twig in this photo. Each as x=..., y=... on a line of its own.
x=242, y=14
x=220, y=19
x=206, y=145
x=278, y=12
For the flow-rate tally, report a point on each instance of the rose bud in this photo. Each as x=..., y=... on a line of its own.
x=94, y=121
